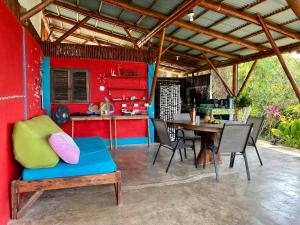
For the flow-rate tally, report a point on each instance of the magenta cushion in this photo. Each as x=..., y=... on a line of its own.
x=65, y=147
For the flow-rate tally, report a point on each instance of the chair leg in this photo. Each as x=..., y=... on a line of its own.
x=185, y=153
x=258, y=154
x=156, y=154
x=195, y=158
x=170, y=160
x=180, y=155
x=246, y=164
x=215, y=165
x=232, y=158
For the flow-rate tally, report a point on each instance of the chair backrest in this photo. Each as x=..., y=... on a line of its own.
x=162, y=131
x=258, y=123
x=234, y=138
x=187, y=117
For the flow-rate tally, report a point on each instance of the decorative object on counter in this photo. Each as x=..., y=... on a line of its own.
x=61, y=115
x=206, y=118
x=193, y=114
x=93, y=109
x=106, y=108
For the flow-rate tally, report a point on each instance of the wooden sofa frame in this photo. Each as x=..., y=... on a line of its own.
x=18, y=187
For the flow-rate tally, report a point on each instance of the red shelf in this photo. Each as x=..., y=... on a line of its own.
x=137, y=77
x=138, y=89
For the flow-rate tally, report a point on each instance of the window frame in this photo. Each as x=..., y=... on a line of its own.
x=70, y=72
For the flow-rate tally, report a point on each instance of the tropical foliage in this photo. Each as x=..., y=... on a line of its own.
x=270, y=92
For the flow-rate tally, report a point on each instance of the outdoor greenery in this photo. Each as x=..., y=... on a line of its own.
x=272, y=96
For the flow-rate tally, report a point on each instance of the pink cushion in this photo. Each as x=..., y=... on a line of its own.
x=65, y=147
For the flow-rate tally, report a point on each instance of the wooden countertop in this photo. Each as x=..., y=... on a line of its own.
x=110, y=117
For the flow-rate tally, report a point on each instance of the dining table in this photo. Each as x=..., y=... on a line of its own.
x=210, y=134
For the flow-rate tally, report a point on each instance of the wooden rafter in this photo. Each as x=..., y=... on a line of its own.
x=74, y=28
x=177, y=14
x=252, y=57
x=227, y=10
x=139, y=29
x=36, y=9
x=167, y=48
x=157, y=66
x=279, y=56
x=295, y=6
x=130, y=37
x=219, y=75
x=247, y=78
x=188, y=26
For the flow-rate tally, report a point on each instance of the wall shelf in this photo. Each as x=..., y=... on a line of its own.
x=138, y=89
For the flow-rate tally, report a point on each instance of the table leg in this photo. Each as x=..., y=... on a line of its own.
x=110, y=135
x=115, y=126
x=205, y=155
x=72, y=128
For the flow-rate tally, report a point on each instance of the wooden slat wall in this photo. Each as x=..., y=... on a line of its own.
x=97, y=52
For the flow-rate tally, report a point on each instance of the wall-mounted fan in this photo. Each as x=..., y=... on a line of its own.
x=61, y=115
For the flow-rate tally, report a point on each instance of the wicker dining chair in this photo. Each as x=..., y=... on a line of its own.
x=165, y=141
x=234, y=138
x=189, y=135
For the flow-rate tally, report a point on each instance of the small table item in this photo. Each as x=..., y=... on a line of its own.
x=209, y=135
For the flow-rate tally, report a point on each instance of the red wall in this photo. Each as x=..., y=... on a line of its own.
x=102, y=68
x=12, y=98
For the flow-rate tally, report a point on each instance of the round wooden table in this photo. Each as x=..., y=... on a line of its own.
x=209, y=136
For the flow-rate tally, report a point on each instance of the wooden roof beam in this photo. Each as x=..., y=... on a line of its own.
x=176, y=14
x=36, y=9
x=252, y=57
x=230, y=11
x=188, y=26
x=295, y=6
x=168, y=38
x=74, y=28
x=280, y=58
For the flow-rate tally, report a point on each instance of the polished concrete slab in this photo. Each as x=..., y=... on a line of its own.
x=185, y=195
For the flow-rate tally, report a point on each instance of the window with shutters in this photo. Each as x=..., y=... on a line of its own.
x=70, y=86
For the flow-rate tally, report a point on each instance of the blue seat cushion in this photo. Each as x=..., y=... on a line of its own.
x=94, y=159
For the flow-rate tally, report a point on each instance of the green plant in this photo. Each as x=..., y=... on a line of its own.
x=288, y=133
x=291, y=113
x=243, y=101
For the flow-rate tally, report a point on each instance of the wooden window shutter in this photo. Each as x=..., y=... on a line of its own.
x=80, y=86
x=60, y=83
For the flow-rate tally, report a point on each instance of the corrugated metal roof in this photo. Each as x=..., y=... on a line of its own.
x=276, y=11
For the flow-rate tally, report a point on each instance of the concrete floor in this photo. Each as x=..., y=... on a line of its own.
x=185, y=195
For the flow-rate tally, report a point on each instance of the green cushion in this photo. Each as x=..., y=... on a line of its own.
x=30, y=140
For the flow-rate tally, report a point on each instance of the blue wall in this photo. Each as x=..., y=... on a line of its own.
x=46, y=100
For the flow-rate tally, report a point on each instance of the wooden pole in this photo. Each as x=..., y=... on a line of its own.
x=219, y=75
x=247, y=78
x=280, y=58
x=235, y=79
x=157, y=66
x=75, y=27
x=35, y=10
x=167, y=48
x=131, y=38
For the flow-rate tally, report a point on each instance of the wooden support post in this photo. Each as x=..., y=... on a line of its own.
x=235, y=79
x=280, y=58
x=218, y=74
x=75, y=27
x=35, y=10
x=157, y=65
x=235, y=88
x=247, y=78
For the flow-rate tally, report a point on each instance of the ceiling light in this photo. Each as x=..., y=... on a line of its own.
x=191, y=15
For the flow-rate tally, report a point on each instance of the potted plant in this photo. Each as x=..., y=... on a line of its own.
x=242, y=102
